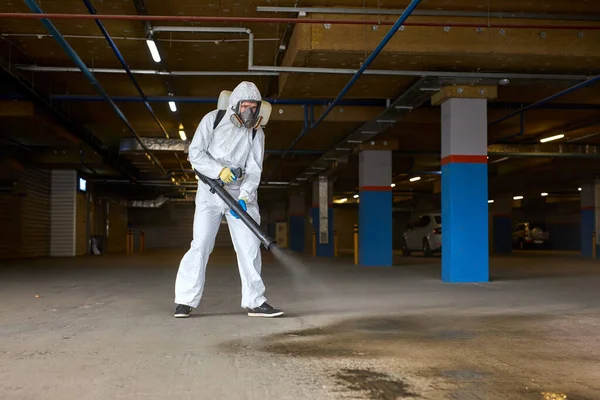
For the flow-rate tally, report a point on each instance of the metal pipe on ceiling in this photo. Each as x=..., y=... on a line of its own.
x=429, y=13
x=98, y=37
x=200, y=29
x=256, y=70
x=209, y=100
x=247, y=20
x=37, y=68
x=84, y=69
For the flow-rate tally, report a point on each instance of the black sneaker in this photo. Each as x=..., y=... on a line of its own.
x=264, y=310
x=182, y=311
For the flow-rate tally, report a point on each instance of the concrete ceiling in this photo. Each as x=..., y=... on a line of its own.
x=75, y=117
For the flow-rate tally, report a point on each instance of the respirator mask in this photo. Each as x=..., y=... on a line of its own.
x=248, y=118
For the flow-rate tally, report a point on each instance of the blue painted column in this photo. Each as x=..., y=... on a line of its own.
x=501, y=209
x=465, y=243
x=375, y=208
x=323, y=198
x=589, y=213
x=297, y=214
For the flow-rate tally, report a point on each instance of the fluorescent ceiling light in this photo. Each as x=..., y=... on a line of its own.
x=393, y=185
x=490, y=201
x=343, y=200
x=153, y=50
x=182, y=135
x=544, y=194
x=518, y=198
x=551, y=138
x=414, y=179
x=173, y=106
x=356, y=196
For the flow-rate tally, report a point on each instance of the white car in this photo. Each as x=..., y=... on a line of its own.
x=425, y=235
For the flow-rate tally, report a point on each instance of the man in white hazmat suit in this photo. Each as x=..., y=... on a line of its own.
x=236, y=142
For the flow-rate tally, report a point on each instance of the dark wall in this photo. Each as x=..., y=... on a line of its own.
x=25, y=216
x=170, y=226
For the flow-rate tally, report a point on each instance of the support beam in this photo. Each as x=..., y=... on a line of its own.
x=464, y=92
x=447, y=39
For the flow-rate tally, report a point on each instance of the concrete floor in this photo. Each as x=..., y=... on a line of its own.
x=102, y=328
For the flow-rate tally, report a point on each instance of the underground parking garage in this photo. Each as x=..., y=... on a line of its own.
x=376, y=122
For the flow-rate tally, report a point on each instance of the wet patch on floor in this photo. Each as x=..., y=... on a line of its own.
x=373, y=336
x=373, y=385
x=461, y=356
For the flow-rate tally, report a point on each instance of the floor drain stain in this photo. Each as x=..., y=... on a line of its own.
x=376, y=385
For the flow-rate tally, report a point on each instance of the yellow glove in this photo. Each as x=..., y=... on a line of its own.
x=226, y=175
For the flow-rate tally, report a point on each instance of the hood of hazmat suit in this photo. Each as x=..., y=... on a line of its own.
x=245, y=91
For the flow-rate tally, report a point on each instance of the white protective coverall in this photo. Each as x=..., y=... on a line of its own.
x=209, y=152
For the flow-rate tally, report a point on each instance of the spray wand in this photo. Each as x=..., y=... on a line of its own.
x=216, y=186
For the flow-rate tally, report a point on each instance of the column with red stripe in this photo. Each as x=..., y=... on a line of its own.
x=375, y=208
x=465, y=246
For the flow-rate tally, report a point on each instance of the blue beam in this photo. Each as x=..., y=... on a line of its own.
x=115, y=49
x=407, y=11
x=403, y=17
x=539, y=103
x=90, y=77
x=514, y=135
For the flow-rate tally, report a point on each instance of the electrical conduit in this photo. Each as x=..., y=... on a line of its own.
x=246, y=20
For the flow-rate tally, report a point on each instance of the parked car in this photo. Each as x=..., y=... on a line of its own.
x=425, y=235
x=529, y=235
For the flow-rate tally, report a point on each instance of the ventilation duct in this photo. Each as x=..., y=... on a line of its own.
x=155, y=203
